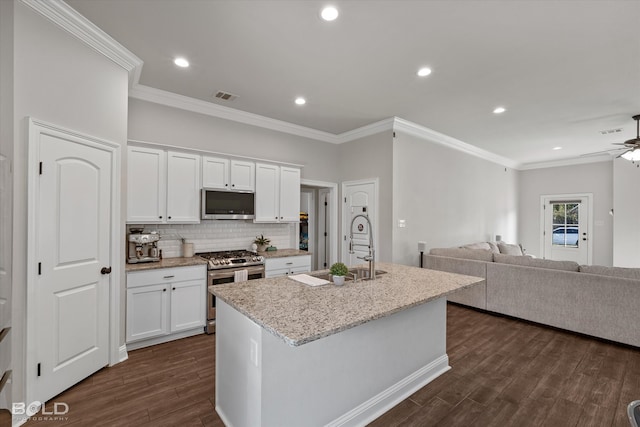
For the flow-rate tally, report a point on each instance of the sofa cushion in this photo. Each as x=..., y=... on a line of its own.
x=507, y=249
x=487, y=246
x=535, y=262
x=494, y=247
x=479, y=245
x=625, y=273
x=475, y=254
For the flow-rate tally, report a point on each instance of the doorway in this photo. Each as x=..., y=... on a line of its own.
x=360, y=198
x=74, y=257
x=318, y=227
x=566, y=224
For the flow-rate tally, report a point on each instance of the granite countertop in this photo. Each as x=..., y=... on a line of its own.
x=281, y=253
x=167, y=263
x=299, y=314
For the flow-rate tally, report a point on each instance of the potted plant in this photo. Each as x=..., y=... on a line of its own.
x=262, y=242
x=338, y=271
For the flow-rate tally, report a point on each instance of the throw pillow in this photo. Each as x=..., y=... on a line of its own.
x=508, y=249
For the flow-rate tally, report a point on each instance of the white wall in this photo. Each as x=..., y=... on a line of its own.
x=595, y=178
x=448, y=198
x=370, y=157
x=171, y=126
x=626, y=218
x=59, y=80
x=6, y=184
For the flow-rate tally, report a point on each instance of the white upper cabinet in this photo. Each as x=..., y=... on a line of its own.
x=225, y=174
x=215, y=173
x=289, y=194
x=243, y=175
x=183, y=187
x=146, y=185
x=277, y=193
x=162, y=186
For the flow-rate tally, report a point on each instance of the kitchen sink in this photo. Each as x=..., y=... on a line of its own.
x=361, y=272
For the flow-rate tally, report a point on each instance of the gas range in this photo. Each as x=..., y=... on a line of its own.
x=231, y=259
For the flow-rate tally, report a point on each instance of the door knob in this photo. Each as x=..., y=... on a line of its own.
x=105, y=270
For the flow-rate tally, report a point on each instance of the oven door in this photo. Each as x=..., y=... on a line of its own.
x=221, y=277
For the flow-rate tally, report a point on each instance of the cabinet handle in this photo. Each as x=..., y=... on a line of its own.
x=289, y=263
x=276, y=217
x=160, y=217
x=233, y=185
x=226, y=185
x=169, y=277
x=281, y=217
x=169, y=217
x=164, y=290
x=173, y=289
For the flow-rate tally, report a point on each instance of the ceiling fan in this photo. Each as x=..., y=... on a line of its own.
x=632, y=145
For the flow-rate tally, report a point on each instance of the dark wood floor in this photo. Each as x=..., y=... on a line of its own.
x=504, y=373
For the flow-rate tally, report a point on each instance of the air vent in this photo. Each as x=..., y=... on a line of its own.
x=225, y=96
x=610, y=131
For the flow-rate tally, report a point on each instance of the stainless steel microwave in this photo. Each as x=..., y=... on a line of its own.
x=220, y=204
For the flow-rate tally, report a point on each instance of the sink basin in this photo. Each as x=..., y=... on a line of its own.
x=362, y=274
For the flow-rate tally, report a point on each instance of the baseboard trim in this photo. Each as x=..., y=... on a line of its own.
x=164, y=338
x=387, y=399
x=122, y=353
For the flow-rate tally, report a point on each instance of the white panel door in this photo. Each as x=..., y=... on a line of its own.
x=289, y=194
x=146, y=185
x=215, y=173
x=187, y=305
x=71, y=301
x=147, y=311
x=359, y=198
x=243, y=175
x=267, y=197
x=183, y=187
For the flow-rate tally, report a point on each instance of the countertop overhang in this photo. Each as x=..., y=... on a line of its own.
x=299, y=314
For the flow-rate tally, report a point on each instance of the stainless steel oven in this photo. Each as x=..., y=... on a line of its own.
x=222, y=269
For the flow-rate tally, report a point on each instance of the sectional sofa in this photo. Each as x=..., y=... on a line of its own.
x=600, y=301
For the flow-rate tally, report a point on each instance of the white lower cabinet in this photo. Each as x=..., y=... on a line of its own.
x=164, y=304
x=275, y=267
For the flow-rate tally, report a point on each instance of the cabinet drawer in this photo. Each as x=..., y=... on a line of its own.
x=166, y=275
x=288, y=262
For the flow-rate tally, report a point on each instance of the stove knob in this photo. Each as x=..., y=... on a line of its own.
x=215, y=262
x=226, y=261
x=260, y=258
x=254, y=259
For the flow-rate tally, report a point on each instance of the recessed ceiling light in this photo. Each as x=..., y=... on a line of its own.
x=499, y=110
x=181, y=62
x=300, y=100
x=557, y=148
x=329, y=13
x=423, y=72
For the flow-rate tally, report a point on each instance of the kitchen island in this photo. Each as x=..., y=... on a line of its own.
x=288, y=354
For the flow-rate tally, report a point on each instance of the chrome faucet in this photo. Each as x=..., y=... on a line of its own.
x=370, y=258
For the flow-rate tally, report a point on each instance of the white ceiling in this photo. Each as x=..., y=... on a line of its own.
x=564, y=69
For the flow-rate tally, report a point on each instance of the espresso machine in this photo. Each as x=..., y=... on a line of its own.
x=142, y=247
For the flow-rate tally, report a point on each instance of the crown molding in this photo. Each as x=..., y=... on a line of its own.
x=67, y=18
x=368, y=130
x=567, y=162
x=170, y=99
x=440, y=138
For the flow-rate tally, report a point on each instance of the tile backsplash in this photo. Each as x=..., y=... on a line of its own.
x=219, y=235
